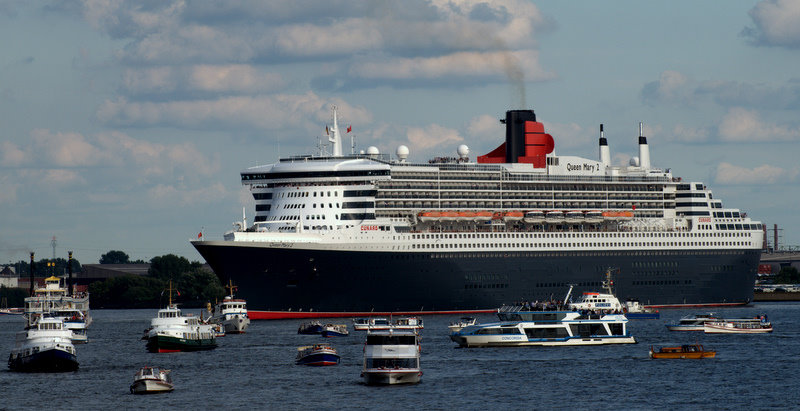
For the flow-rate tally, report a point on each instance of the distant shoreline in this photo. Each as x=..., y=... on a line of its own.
x=776, y=296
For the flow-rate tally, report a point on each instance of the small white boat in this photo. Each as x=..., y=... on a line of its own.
x=391, y=357
x=534, y=217
x=461, y=323
x=152, y=380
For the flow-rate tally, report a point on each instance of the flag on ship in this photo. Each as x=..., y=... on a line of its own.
x=349, y=128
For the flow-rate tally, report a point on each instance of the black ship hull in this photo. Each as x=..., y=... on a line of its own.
x=335, y=280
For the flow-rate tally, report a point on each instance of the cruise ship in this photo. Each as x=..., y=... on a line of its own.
x=371, y=232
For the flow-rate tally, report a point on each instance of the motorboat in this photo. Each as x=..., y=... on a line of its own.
x=152, y=380
x=371, y=323
x=758, y=325
x=461, y=323
x=694, y=351
x=335, y=330
x=317, y=354
x=231, y=313
x=171, y=331
x=311, y=327
x=391, y=357
x=692, y=322
x=45, y=346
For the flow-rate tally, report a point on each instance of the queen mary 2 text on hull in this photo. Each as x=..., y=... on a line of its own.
x=362, y=232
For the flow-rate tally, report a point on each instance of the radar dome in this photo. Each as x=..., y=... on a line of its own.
x=402, y=153
x=373, y=151
x=634, y=161
x=463, y=151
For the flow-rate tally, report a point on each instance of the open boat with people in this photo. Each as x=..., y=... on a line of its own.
x=317, y=354
x=310, y=327
x=152, y=380
x=391, y=357
x=45, y=346
x=693, y=351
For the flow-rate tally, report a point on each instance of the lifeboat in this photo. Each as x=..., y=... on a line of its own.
x=483, y=215
x=466, y=216
x=449, y=216
x=573, y=217
x=618, y=214
x=534, y=217
x=427, y=216
x=512, y=216
x=594, y=217
x=555, y=216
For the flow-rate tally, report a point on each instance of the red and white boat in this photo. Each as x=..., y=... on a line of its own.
x=758, y=325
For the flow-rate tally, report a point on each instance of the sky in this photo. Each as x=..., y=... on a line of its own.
x=124, y=125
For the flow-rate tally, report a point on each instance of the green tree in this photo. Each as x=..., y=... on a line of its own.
x=114, y=257
x=170, y=266
x=787, y=275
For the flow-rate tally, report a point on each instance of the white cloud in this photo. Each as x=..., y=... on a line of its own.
x=776, y=23
x=486, y=128
x=432, y=136
x=259, y=112
x=742, y=125
x=689, y=134
x=569, y=135
x=8, y=188
x=670, y=87
x=727, y=173
x=163, y=195
x=462, y=64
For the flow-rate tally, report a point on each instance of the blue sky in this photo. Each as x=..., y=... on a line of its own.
x=124, y=124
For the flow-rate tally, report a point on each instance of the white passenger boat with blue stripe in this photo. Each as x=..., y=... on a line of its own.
x=548, y=328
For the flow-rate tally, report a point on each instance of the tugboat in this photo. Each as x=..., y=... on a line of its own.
x=171, y=331
x=231, y=313
x=152, y=380
x=44, y=347
x=391, y=357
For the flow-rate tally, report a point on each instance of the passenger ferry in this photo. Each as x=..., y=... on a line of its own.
x=45, y=346
x=54, y=298
x=333, y=232
x=391, y=357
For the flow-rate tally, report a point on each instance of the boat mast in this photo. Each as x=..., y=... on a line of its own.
x=230, y=287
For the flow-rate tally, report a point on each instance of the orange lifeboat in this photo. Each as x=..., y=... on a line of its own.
x=513, y=215
x=449, y=215
x=426, y=216
x=483, y=215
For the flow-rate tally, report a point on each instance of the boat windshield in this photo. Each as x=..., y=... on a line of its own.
x=392, y=363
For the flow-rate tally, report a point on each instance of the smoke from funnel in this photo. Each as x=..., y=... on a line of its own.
x=517, y=77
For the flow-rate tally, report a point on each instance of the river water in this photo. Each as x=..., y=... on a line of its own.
x=257, y=371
